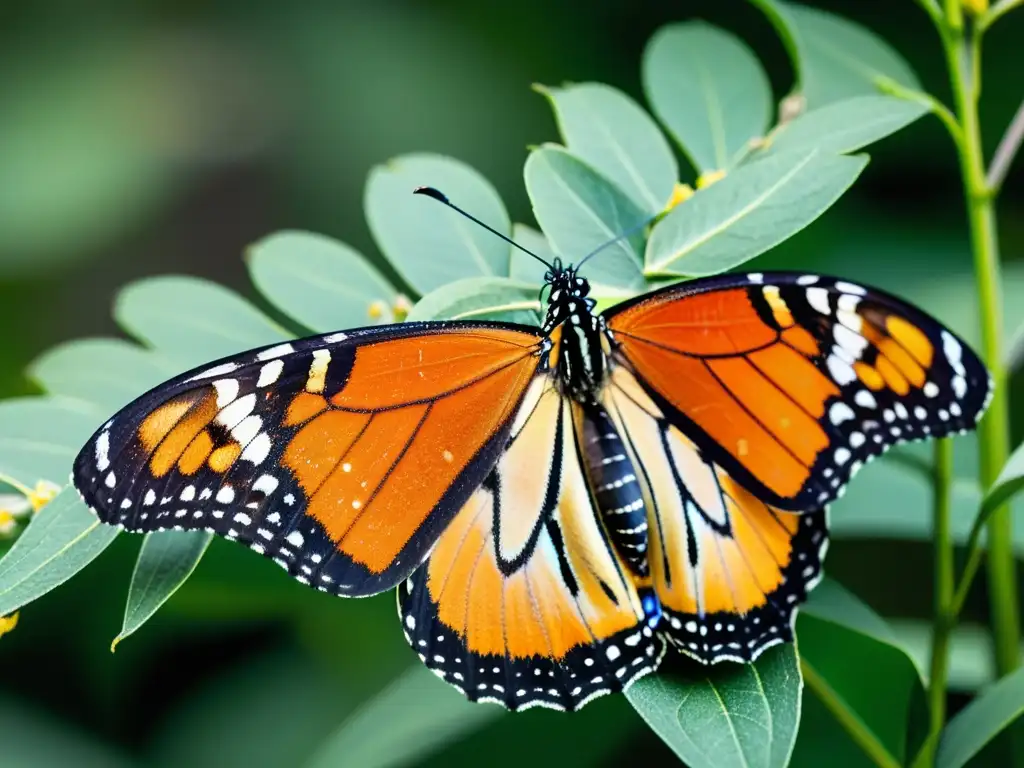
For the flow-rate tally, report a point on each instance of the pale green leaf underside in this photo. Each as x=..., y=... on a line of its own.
x=1009, y=483
x=481, y=298
x=579, y=211
x=320, y=282
x=847, y=125
x=835, y=58
x=63, y=537
x=728, y=715
x=166, y=560
x=426, y=243
x=749, y=211
x=709, y=90
x=831, y=601
x=193, y=321
x=612, y=133
x=522, y=267
x=432, y=714
x=981, y=720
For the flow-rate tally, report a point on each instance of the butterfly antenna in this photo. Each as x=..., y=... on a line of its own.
x=441, y=198
x=627, y=234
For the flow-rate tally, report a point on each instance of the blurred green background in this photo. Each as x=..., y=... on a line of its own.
x=149, y=137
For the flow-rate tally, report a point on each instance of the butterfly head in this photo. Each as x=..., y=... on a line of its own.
x=568, y=295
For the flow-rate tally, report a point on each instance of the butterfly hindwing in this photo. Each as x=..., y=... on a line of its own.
x=791, y=381
x=523, y=600
x=342, y=457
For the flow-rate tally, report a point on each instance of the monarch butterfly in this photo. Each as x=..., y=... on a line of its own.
x=557, y=504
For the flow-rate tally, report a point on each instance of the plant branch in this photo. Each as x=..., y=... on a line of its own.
x=944, y=618
x=893, y=88
x=931, y=7
x=1006, y=151
x=852, y=724
x=963, y=61
x=995, y=12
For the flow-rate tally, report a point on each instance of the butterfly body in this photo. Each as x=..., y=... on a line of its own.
x=558, y=504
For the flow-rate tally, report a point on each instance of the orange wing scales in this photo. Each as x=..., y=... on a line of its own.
x=792, y=382
x=342, y=457
x=547, y=617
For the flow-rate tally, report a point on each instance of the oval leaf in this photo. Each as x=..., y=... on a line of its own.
x=839, y=638
x=63, y=538
x=709, y=90
x=193, y=321
x=324, y=284
x=481, y=298
x=1009, y=483
x=835, y=59
x=748, y=212
x=580, y=211
x=40, y=437
x=108, y=373
x=166, y=560
x=981, y=720
x=425, y=243
x=727, y=715
x=847, y=125
x=615, y=136
x=411, y=718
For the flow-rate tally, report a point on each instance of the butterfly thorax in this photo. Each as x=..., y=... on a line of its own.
x=579, y=335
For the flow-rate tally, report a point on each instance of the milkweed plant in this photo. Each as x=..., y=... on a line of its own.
x=756, y=172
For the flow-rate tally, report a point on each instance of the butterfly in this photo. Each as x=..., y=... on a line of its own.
x=556, y=505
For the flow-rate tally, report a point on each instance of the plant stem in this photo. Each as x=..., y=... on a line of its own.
x=944, y=618
x=852, y=724
x=963, y=60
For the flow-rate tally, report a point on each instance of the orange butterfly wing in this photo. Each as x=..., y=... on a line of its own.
x=791, y=382
x=341, y=457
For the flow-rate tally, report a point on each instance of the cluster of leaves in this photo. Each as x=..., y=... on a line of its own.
x=759, y=179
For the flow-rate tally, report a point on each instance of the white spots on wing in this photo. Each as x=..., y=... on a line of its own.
x=274, y=352
x=289, y=499
x=205, y=494
x=954, y=352
x=270, y=373
x=188, y=493
x=266, y=484
x=850, y=288
x=842, y=456
x=247, y=429
x=356, y=504
x=243, y=518
x=295, y=539
x=111, y=480
x=346, y=467
x=103, y=451
x=857, y=439
x=818, y=299
x=149, y=499
x=258, y=450
x=334, y=338
x=852, y=342
x=317, y=379
x=227, y=391
x=840, y=412
x=807, y=280
x=226, y=495
x=901, y=410
x=126, y=503
x=274, y=518
x=931, y=389
x=217, y=370
x=865, y=399
x=237, y=410
x=842, y=372
x=848, y=303
x=954, y=409
x=755, y=277
x=920, y=412
x=959, y=386
x=410, y=621
x=612, y=652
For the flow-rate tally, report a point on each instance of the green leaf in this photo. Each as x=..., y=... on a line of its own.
x=40, y=437
x=166, y=560
x=580, y=211
x=411, y=718
x=428, y=245
x=481, y=298
x=709, y=90
x=193, y=321
x=34, y=738
x=108, y=373
x=840, y=638
x=324, y=284
x=847, y=125
x=1009, y=483
x=749, y=211
x=63, y=538
x=524, y=268
x=835, y=59
x=614, y=135
x=981, y=720
x=727, y=715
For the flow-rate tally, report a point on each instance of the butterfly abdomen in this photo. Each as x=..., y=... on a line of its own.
x=616, y=488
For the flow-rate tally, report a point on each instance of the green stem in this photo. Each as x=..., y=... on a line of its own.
x=852, y=724
x=964, y=64
x=944, y=618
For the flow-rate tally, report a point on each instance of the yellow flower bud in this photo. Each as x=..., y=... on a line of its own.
x=42, y=494
x=402, y=307
x=8, y=623
x=377, y=310
x=977, y=7
x=680, y=194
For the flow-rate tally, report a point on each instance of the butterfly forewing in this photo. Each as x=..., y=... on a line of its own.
x=791, y=382
x=341, y=457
